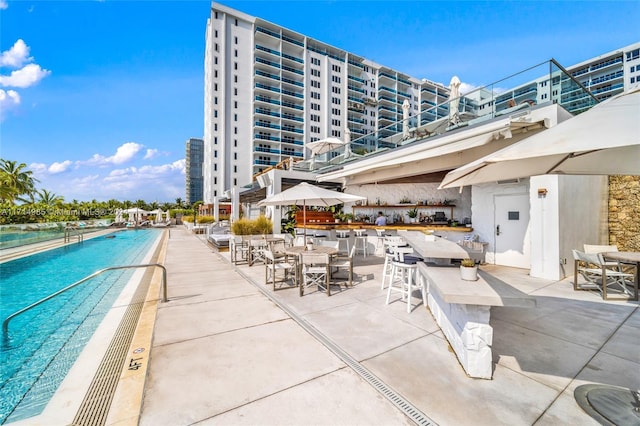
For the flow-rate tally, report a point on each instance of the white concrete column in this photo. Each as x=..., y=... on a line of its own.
x=216, y=209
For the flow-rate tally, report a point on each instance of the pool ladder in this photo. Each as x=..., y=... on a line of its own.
x=68, y=230
x=5, y=323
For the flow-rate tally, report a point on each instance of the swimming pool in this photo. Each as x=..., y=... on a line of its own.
x=43, y=343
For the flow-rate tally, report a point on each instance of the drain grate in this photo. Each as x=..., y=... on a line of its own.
x=395, y=398
x=95, y=406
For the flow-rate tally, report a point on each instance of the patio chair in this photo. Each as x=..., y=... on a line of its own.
x=344, y=262
x=239, y=249
x=256, y=250
x=274, y=263
x=315, y=271
x=599, y=276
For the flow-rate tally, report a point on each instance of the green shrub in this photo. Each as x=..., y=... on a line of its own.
x=262, y=225
x=242, y=226
x=206, y=219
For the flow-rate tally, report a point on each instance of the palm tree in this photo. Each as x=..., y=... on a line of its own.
x=16, y=180
x=179, y=202
x=49, y=198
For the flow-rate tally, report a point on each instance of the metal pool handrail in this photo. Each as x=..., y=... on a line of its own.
x=5, y=323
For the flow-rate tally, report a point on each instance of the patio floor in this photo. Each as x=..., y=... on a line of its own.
x=225, y=352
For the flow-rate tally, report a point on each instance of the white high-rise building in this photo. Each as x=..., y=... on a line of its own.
x=270, y=90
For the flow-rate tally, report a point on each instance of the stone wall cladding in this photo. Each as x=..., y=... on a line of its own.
x=624, y=212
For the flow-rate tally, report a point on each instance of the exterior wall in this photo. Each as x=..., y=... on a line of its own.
x=624, y=212
x=482, y=211
x=582, y=216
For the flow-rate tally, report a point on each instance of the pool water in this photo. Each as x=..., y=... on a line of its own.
x=44, y=342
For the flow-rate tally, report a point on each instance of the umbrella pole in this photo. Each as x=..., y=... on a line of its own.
x=304, y=221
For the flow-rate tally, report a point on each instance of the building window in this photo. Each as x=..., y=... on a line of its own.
x=215, y=100
x=235, y=182
x=215, y=140
x=236, y=22
x=235, y=104
x=215, y=127
x=215, y=87
x=235, y=130
x=215, y=193
x=235, y=78
x=215, y=180
x=215, y=60
x=235, y=169
x=215, y=47
x=235, y=40
x=235, y=65
x=235, y=53
x=235, y=143
x=235, y=117
x=215, y=153
x=215, y=113
x=235, y=91
x=215, y=167
x=215, y=33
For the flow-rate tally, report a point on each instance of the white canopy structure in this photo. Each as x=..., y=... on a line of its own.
x=602, y=141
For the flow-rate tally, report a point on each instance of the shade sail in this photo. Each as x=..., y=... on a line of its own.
x=602, y=141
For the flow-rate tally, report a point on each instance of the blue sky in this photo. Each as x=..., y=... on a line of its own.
x=99, y=97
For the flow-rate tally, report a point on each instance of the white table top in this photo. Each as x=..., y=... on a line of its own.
x=440, y=248
x=446, y=281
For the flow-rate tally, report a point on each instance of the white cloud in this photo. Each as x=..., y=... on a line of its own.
x=38, y=168
x=8, y=100
x=124, y=153
x=59, y=167
x=151, y=153
x=26, y=76
x=16, y=56
x=3, y=5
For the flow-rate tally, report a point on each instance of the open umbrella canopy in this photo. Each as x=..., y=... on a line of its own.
x=324, y=145
x=604, y=140
x=305, y=194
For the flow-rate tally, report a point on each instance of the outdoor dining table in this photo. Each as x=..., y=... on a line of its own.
x=632, y=257
x=436, y=249
x=296, y=251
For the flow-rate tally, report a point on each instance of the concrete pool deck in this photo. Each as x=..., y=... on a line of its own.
x=224, y=352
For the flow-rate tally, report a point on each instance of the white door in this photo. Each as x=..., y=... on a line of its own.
x=511, y=222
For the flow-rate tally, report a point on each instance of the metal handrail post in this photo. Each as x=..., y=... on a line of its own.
x=5, y=323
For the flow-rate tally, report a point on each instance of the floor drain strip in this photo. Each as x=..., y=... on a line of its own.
x=395, y=398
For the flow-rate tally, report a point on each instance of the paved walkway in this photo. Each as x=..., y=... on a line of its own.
x=225, y=353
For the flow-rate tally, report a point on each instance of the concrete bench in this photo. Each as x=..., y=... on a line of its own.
x=462, y=310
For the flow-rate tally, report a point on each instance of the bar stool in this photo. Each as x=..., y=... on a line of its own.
x=390, y=243
x=342, y=235
x=360, y=241
x=404, y=276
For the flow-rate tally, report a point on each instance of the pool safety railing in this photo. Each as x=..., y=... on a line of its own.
x=69, y=230
x=5, y=323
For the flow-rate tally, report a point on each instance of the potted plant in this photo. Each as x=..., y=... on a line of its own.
x=348, y=217
x=405, y=200
x=413, y=214
x=468, y=270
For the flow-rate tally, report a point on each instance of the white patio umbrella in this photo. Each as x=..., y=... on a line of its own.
x=118, y=217
x=454, y=100
x=604, y=140
x=323, y=145
x=305, y=194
